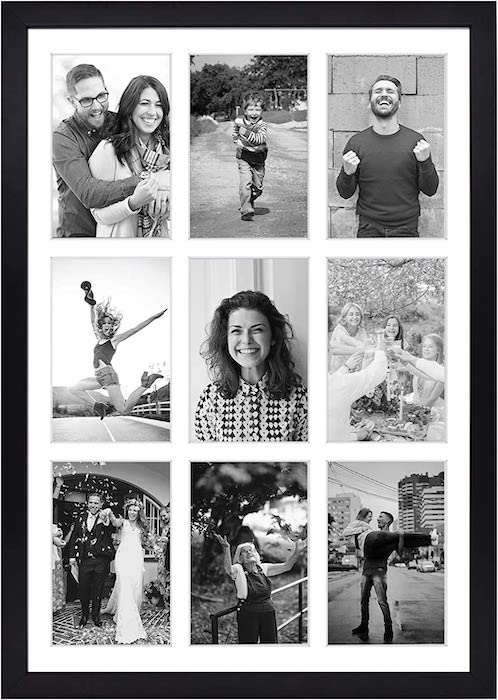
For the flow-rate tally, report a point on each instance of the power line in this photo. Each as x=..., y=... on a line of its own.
x=365, y=476
x=352, y=483
x=357, y=488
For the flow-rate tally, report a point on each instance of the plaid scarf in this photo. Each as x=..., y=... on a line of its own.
x=152, y=159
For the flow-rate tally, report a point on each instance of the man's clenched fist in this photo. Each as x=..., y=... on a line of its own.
x=350, y=162
x=422, y=150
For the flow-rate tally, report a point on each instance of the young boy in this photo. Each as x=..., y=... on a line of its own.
x=249, y=135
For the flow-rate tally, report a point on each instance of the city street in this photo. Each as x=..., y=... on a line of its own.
x=111, y=429
x=214, y=185
x=416, y=601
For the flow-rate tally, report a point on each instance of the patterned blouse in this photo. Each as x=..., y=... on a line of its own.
x=252, y=415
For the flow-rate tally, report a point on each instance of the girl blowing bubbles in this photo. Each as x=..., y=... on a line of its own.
x=105, y=322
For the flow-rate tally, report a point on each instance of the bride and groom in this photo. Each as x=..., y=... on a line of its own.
x=92, y=550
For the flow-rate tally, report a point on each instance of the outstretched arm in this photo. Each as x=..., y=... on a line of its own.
x=429, y=368
x=127, y=334
x=227, y=559
x=72, y=166
x=276, y=569
x=116, y=521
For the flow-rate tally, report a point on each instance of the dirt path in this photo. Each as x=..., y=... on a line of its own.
x=282, y=209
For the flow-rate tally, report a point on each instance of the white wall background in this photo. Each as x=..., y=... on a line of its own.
x=284, y=280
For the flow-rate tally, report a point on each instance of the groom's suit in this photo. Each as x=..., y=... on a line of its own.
x=91, y=545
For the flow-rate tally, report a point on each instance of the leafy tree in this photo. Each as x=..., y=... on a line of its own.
x=277, y=72
x=223, y=494
x=216, y=87
x=410, y=288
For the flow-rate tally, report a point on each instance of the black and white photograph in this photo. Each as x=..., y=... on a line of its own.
x=111, y=553
x=249, y=558
x=386, y=146
x=249, y=349
x=111, y=146
x=386, y=526
x=97, y=305
x=386, y=349
x=248, y=146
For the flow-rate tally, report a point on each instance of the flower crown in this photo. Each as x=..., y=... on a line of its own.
x=133, y=502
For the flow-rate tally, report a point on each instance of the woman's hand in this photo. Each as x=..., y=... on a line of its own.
x=354, y=361
x=222, y=540
x=145, y=192
x=403, y=355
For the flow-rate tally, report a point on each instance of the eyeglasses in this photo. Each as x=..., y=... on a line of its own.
x=88, y=101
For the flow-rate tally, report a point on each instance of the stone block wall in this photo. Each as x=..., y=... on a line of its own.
x=422, y=109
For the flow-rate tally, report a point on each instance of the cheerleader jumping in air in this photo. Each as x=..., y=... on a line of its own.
x=105, y=322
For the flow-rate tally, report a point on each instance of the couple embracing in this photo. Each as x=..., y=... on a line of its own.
x=376, y=546
x=113, y=178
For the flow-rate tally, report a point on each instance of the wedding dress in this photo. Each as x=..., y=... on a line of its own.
x=126, y=596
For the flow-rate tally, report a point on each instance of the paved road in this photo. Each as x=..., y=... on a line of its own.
x=214, y=185
x=112, y=429
x=416, y=601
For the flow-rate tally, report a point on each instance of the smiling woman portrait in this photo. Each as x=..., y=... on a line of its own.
x=255, y=395
x=136, y=142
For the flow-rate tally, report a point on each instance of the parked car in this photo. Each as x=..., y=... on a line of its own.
x=221, y=116
x=425, y=566
x=351, y=561
x=400, y=565
x=412, y=564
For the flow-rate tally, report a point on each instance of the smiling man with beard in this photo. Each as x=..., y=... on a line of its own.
x=74, y=141
x=390, y=164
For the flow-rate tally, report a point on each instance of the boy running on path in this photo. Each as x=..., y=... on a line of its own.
x=249, y=135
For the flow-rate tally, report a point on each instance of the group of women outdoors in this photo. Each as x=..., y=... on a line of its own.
x=352, y=351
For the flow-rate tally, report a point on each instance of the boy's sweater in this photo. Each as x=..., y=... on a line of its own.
x=252, y=136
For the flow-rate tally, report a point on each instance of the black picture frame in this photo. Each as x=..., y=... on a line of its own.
x=479, y=17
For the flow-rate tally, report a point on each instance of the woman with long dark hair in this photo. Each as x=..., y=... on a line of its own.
x=126, y=597
x=136, y=142
x=393, y=330
x=255, y=394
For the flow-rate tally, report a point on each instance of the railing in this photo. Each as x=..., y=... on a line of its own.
x=298, y=616
x=156, y=408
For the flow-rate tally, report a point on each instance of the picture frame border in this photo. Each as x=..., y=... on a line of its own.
x=480, y=18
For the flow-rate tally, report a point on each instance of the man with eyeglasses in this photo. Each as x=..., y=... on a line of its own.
x=74, y=141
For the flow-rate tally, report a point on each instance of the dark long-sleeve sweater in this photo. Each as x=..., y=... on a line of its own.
x=73, y=144
x=389, y=177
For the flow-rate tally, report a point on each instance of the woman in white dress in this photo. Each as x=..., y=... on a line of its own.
x=127, y=594
x=348, y=336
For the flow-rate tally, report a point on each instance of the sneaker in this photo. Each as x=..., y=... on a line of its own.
x=151, y=379
x=87, y=288
x=247, y=217
x=99, y=409
x=434, y=538
x=361, y=629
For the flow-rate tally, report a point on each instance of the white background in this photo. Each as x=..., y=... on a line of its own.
x=317, y=656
